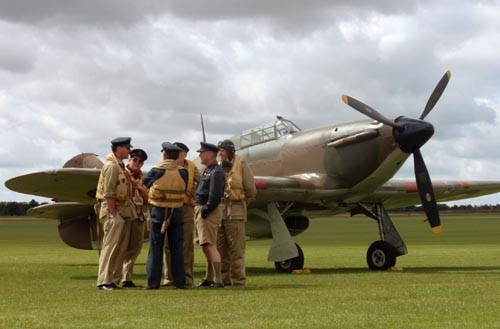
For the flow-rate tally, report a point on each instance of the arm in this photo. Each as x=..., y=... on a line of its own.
x=184, y=174
x=111, y=206
x=144, y=191
x=217, y=183
x=110, y=178
x=153, y=175
x=192, y=193
x=248, y=183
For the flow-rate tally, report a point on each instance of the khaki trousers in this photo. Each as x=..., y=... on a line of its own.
x=112, y=251
x=188, y=249
x=133, y=248
x=231, y=245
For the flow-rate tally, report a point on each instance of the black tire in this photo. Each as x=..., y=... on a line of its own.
x=380, y=256
x=287, y=266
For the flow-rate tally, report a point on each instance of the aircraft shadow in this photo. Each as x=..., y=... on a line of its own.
x=449, y=269
x=423, y=270
x=266, y=271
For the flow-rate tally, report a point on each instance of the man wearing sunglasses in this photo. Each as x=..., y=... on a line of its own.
x=135, y=238
x=114, y=207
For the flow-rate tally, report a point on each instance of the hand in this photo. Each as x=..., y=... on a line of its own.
x=116, y=216
x=204, y=213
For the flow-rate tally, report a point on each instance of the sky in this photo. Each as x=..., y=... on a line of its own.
x=76, y=74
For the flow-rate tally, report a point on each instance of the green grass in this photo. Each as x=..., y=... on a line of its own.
x=449, y=281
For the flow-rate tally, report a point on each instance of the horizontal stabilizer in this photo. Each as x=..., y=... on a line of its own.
x=60, y=210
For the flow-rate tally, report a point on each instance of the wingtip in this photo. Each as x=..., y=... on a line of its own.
x=344, y=99
x=448, y=73
x=437, y=229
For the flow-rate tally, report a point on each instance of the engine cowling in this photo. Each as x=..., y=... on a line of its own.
x=80, y=232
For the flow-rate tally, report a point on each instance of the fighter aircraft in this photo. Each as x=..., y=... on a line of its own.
x=346, y=167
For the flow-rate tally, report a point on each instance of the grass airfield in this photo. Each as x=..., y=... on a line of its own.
x=448, y=281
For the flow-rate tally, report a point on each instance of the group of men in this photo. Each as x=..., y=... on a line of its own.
x=184, y=207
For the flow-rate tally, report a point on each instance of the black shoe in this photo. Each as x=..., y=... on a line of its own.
x=205, y=283
x=115, y=286
x=128, y=284
x=216, y=285
x=151, y=288
x=106, y=287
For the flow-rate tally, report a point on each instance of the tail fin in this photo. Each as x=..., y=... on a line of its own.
x=84, y=160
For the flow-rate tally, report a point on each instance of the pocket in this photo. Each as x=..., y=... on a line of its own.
x=125, y=212
x=238, y=209
x=157, y=215
x=103, y=212
x=118, y=217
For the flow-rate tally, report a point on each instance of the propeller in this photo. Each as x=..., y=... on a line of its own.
x=411, y=135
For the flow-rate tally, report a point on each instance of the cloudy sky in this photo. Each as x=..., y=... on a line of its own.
x=75, y=74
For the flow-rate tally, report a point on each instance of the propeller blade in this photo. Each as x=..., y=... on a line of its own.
x=426, y=192
x=436, y=94
x=368, y=111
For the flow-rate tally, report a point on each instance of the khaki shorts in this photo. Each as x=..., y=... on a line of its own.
x=207, y=228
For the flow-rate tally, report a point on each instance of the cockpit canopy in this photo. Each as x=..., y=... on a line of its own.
x=267, y=132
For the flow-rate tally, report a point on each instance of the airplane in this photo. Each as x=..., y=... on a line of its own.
x=340, y=168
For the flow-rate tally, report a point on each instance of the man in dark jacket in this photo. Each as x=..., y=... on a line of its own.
x=208, y=213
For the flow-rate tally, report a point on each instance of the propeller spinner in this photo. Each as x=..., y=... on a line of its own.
x=411, y=134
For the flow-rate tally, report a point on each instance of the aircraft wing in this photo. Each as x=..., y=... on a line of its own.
x=402, y=193
x=393, y=194
x=60, y=210
x=79, y=185
x=68, y=184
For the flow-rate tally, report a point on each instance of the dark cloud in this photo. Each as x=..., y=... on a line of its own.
x=293, y=15
x=78, y=74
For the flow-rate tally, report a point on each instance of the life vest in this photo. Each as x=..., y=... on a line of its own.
x=234, y=181
x=190, y=189
x=168, y=191
x=123, y=189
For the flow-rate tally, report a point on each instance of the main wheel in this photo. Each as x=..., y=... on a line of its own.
x=287, y=266
x=380, y=256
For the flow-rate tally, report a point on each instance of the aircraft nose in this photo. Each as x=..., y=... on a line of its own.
x=412, y=133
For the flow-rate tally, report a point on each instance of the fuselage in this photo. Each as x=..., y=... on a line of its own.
x=331, y=157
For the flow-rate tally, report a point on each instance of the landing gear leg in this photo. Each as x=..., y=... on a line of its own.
x=285, y=253
x=382, y=254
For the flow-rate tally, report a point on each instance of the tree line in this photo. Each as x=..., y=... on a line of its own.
x=13, y=208
x=445, y=207
x=19, y=208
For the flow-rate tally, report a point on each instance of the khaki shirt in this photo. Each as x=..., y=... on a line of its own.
x=110, y=173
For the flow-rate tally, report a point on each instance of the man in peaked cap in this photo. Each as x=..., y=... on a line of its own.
x=167, y=186
x=208, y=213
x=188, y=210
x=135, y=239
x=114, y=207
